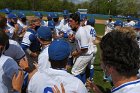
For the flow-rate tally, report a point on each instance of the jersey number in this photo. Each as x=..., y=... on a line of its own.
x=92, y=33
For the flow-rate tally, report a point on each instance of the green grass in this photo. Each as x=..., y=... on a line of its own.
x=100, y=28
x=98, y=76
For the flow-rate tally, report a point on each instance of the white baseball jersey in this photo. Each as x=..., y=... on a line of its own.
x=65, y=26
x=51, y=77
x=58, y=28
x=43, y=23
x=8, y=67
x=82, y=61
x=15, y=51
x=129, y=87
x=43, y=59
x=11, y=30
x=91, y=34
x=21, y=26
x=3, y=88
x=109, y=26
x=26, y=41
x=129, y=24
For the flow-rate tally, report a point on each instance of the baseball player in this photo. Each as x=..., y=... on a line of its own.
x=65, y=28
x=129, y=22
x=116, y=66
x=118, y=24
x=12, y=26
x=22, y=21
x=57, y=74
x=40, y=16
x=109, y=25
x=91, y=34
x=11, y=44
x=30, y=43
x=58, y=25
x=49, y=18
x=44, y=36
x=83, y=18
x=82, y=54
x=8, y=67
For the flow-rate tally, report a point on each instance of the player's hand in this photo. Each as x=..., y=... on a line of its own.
x=6, y=31
x=24, y=63
x=75, y=53
x=33, y=54
x=71, y=37
x=16, y=27
x=56, y=90
x=92, y=86
x=17, y=81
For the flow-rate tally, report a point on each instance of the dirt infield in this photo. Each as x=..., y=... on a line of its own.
x=100, y=21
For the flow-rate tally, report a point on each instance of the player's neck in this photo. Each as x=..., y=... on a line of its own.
x=31, y=74
x=121, y=80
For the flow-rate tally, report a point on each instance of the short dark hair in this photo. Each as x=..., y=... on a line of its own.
x=58, y=63
x=4, y=39
x=3, y=21
x=75, y=17
x=122, y=52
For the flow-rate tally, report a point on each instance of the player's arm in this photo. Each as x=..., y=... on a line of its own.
x=97, y=40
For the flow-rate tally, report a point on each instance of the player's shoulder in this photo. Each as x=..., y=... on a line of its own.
x=13, y=42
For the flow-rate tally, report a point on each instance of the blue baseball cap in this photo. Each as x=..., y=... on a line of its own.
x=83, y=16
x=11, y=16
x=7, y=11
x=51, y=24
x=59, y=50
x=91, y=21
x=66, y=13
x=21, y=15
x=44, y=33
x=55, y=15
x=118, y=23
x=49, y=15
x=137, y=25
x=38, y=14
x=77, y=12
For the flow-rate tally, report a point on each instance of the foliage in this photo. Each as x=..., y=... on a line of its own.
x=113, y=7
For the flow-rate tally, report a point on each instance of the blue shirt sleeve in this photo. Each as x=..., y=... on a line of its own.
x=32, y=38
x=24, y=47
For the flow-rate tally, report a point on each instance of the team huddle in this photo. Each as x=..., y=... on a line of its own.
x=35, y=54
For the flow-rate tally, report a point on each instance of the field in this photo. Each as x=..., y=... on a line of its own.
x=98, y=76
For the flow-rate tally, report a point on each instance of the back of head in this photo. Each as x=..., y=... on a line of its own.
x=21, y=15
x=91, y=21
x=59, y=51
x=3, y=38
x=65, y=13
x=39, y=15
x=51, y=24
x=121, y=52
x=3, y=22
x=44, y=33
x=11, y=16
x=49, y=16
x=118, y=23
x=83, y=17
